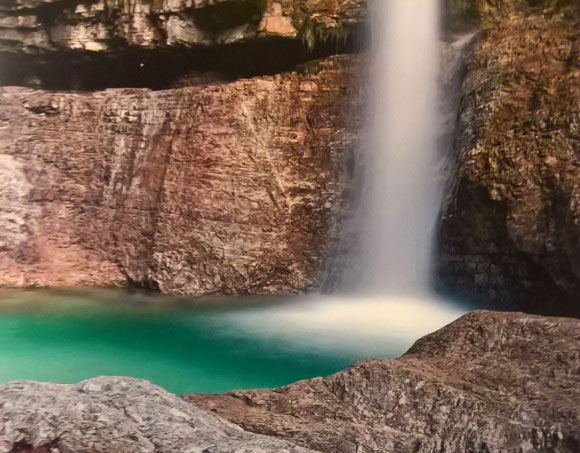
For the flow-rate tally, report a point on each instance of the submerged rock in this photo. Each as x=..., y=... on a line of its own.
x=489, y=382
x=120, y=415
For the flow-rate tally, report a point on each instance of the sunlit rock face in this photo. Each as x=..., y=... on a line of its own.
x=487, y=382
x=511, y=225
x=107, y=25
x=222, y=188
x=230, y=177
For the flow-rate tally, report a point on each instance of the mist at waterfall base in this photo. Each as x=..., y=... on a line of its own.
x=275, y=341
x=225, y=344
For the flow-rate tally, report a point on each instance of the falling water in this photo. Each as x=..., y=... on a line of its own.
x=402, y=193
x=314, y=334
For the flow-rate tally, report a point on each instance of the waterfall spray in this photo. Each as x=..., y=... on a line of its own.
x=388, y=301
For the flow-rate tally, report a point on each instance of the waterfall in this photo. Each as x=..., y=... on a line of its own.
x=382, y=269
x=386, y=249
x=402, y=193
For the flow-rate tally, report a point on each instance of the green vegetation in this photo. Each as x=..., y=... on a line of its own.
x=314, y=33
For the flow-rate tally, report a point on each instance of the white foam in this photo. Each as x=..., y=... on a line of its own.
x=373, y=327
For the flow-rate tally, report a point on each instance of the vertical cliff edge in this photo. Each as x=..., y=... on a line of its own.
x=510, y=230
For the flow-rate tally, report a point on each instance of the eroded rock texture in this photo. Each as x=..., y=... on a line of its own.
x=117, y=414
x=228, y=187
x=511, y=226
x=489, y=382
x=92, y=45
x=105, y=25
x=466, y=13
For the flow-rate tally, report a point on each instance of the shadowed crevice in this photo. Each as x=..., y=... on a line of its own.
x=160, y=69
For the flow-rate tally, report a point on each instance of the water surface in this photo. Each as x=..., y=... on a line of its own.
x=186, y=346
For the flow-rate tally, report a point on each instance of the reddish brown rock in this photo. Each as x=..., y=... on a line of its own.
x=465, y=13
x=511, y=227
x=230, y=188
x=489, y=382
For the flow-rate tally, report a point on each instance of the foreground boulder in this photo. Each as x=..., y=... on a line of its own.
x=488, y=382
x=121, y=415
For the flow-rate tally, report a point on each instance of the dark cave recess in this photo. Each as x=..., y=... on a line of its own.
x=167, y=68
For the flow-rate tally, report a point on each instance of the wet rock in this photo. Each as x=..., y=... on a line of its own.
x=510, y=233
x=467, y=13
x=490, y=382
x=116, y=414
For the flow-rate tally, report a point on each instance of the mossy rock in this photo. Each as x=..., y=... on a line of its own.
x=468, y=13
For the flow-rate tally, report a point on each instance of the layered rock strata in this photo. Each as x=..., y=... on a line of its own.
x=489, y=382
x=107, y=25
x=510, y=233
x=225, y=188
x=92, y=45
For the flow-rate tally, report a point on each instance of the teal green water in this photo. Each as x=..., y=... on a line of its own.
x=183, y=349
x=180, y=356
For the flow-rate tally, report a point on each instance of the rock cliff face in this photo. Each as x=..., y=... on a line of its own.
x=489, y=382
x=107, y=25
x=233, y=186
x=466, y=13
x=208, y=184
x=227, y=188
x=510, y=232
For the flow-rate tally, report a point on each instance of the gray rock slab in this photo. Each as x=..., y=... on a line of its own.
x=117, y=414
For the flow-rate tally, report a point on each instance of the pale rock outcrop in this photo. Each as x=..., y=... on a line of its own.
x=106, y=25
x=117, y=414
